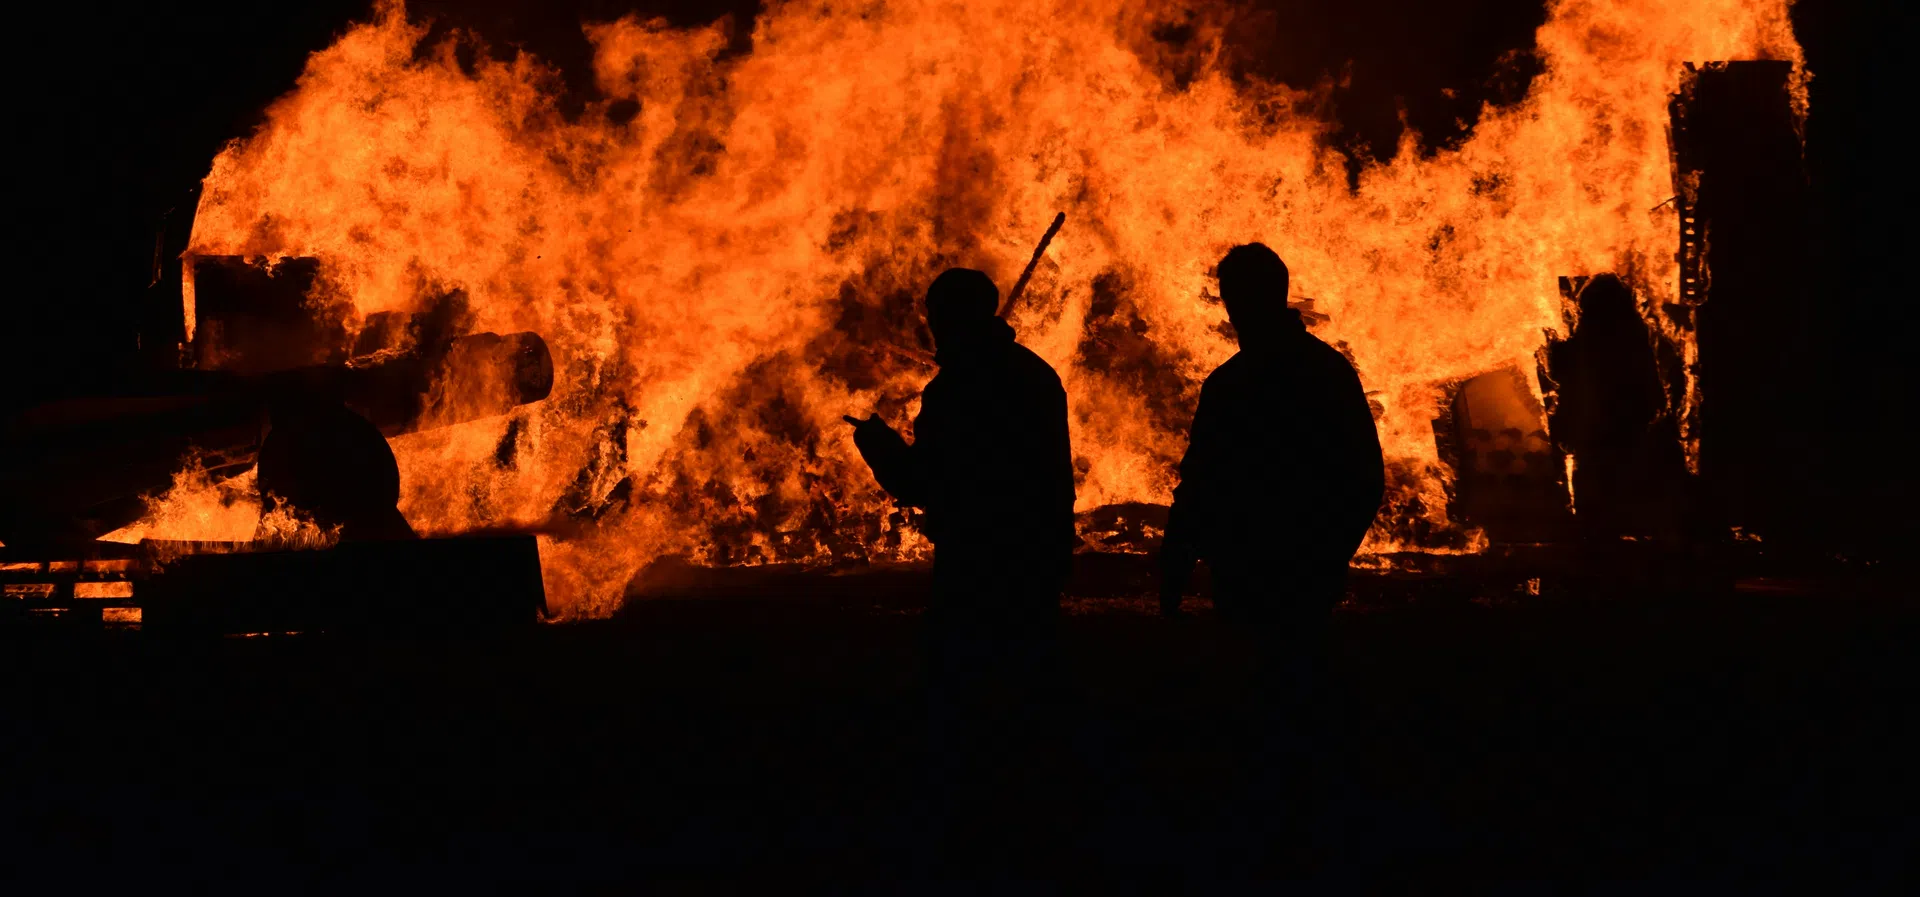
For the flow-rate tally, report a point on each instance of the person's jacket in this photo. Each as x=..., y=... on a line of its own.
x=1284, y=461
x=991, y=462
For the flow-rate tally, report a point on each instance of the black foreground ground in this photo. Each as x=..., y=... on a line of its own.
x=755, y=743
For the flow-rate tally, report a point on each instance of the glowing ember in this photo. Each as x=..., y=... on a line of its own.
x=726, y=273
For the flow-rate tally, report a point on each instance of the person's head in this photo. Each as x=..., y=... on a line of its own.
x=959, y=304
x=1253, y=284
x=1606, y=303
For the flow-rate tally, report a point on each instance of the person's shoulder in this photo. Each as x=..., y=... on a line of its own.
x=1238, y=363
x=1029, y=363
x=1328, y=356
x=1234, y=370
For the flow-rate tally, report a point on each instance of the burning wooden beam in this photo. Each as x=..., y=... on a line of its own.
x=1744, y=246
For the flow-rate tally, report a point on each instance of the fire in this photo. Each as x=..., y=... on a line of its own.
x=727, y=270
x=200, y=507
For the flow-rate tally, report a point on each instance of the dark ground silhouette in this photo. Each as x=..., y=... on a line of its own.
x=773, y=744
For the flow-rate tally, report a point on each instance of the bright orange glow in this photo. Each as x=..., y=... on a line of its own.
x=200, y=508
x=719, y=276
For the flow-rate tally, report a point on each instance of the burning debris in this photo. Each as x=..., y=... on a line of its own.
x=77, y=467
x=724, y=257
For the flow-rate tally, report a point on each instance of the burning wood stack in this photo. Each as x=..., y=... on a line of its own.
x=75, y=467
x=1639, y=397
x=1744, y=251
x=1634, y=395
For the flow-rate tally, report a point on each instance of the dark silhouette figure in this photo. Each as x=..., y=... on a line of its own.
x=1283, y=473
x=333, y=466
x=1629, y=472
x=1282, y=478
x=992, y=468
x=990, y=463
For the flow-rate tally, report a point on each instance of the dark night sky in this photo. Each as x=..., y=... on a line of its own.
x=122, y=110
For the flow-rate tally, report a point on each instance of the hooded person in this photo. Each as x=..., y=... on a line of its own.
x=990, y=463
x=992, y=468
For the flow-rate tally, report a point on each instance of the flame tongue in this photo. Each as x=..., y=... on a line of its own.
x=720, y=275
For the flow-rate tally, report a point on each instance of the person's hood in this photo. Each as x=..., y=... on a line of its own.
x=989, y=339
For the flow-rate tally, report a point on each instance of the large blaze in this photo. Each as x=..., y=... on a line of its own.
x=728, y=254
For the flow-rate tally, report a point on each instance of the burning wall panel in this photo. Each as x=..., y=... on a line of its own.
x=1746, y=247
x=718, y=270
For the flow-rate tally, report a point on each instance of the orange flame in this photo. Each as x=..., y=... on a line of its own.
x=197, y=507
x=719, y=275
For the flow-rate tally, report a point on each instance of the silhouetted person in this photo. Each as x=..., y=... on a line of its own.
x=1282, y=478
x=1629, y=472
x=992, y=468
x=333, y=466
x=1283, y=473
x=990, y=463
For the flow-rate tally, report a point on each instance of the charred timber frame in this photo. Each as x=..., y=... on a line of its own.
x=1741, y=191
